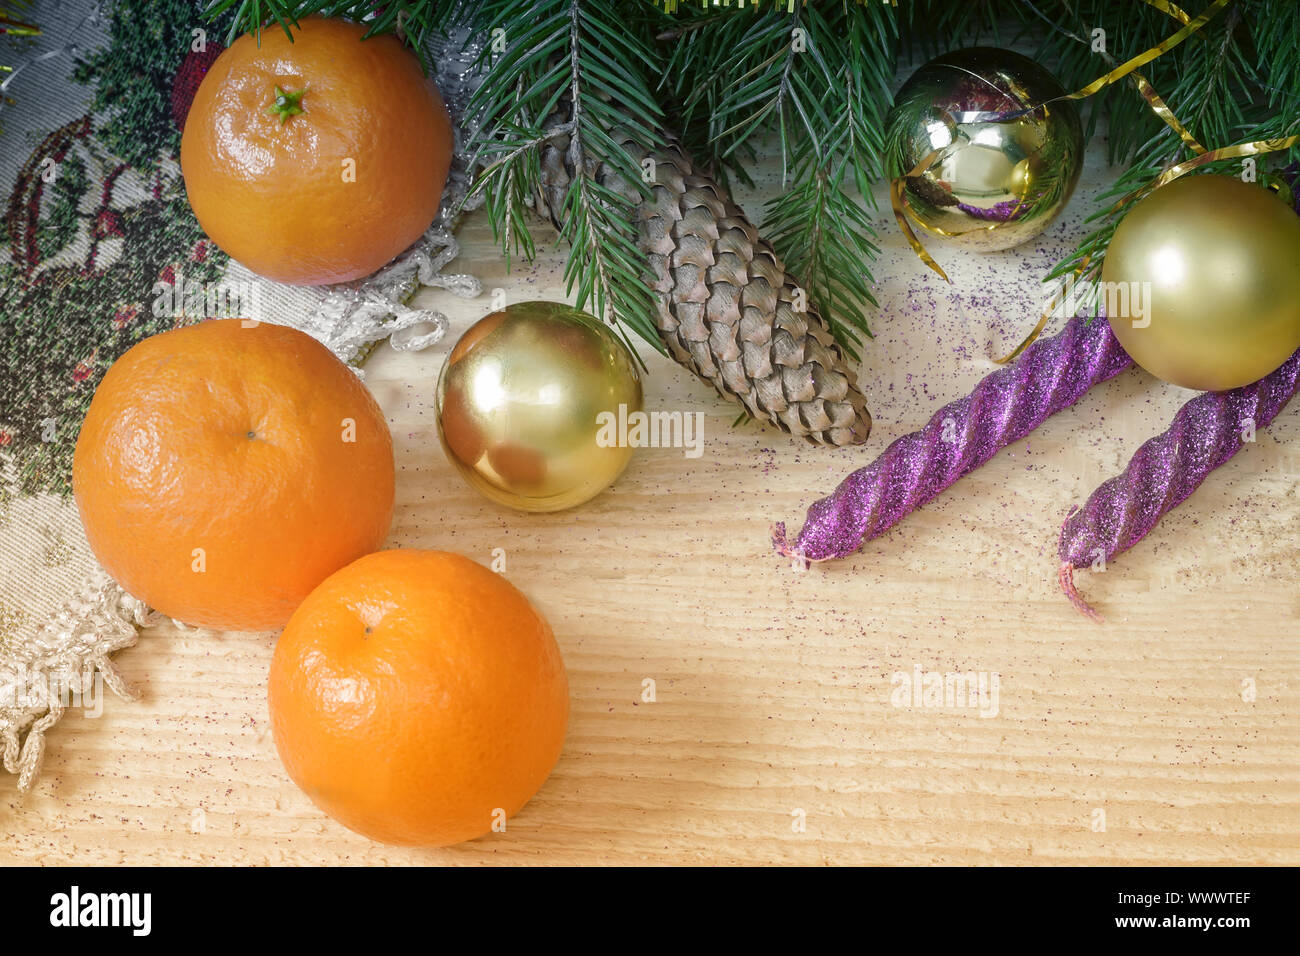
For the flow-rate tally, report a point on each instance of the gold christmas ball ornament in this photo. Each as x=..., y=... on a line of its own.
x=1201, y=282
x=1000, y=175
x=529, y=402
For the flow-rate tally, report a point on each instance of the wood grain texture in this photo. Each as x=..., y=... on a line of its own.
x=773, y=686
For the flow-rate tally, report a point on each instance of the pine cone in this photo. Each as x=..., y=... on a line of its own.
x=725, y=302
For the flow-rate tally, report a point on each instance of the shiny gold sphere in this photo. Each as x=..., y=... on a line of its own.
x=1201, y=282
x=997, y=182
x=525, y=400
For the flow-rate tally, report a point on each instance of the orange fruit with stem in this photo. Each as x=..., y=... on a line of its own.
x=223, y=471
x=418, y=698
x=316, y=159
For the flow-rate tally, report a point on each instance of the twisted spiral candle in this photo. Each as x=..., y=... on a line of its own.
x=1205, y=433
x=1005, y=406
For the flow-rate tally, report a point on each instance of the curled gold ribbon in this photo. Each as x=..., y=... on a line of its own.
x=899, y=202
x=1162, y=110
x=1144, y=87
x=1226, y=152
x=896, y=192
x=1172, y=9
x=1124, y=69
x=1168, y=176
x=1166, y=115
x=1052, y=303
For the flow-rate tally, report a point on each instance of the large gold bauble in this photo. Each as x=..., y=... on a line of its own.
x=1201, y=282
x=521, y=402
x=996, y=183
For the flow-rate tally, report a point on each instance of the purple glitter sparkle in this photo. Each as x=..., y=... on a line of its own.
x=1004, y=407
x=1205, y=433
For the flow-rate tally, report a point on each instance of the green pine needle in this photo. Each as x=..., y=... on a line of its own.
x=730, y=82
x=572, y=64
x=415, y=20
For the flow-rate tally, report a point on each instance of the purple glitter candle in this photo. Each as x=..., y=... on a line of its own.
x=1205, y=433
x=1004, y=407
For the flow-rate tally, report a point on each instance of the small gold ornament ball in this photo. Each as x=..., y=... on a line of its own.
x=1201, y=282
x=525, y=401
x=997, y=182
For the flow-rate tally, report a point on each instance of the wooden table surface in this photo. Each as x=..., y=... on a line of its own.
x=1169, y=734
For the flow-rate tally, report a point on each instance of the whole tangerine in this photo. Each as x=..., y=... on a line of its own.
x=224, y=471
x=319, y=158
x=418, y=698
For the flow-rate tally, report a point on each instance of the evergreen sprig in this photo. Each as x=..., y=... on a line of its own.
x=414, y=20
x=729, y=80
x=1231, y=83
x=816, y=77
x=570, y=69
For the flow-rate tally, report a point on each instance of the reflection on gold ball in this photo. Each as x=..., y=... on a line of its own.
x=995, y=183
x=520, y=405
x=1201, y=282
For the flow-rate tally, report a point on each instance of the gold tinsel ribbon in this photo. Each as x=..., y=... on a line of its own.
x=898, y=198
x=1124, y=69
x=1158, y=106
x=899, y=202
x=1203, y=156
x=1168, y=176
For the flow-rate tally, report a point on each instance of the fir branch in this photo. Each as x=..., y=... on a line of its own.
x=571, y=69
x=1222, y=92
x=820, y=226
x=751, y=61
x=1214, y=77
x=816, y=77
x=414, y=21
x=932, y=27
x=508, y=182
x=251, y=15
x=825, y=237
x=699, y=42
x=1275, y=32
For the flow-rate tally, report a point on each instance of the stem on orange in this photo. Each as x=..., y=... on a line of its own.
x=286, y=103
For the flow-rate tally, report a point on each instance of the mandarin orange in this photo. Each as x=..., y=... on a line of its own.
x=318, y=159
x=224, y=471
x=418, y=698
